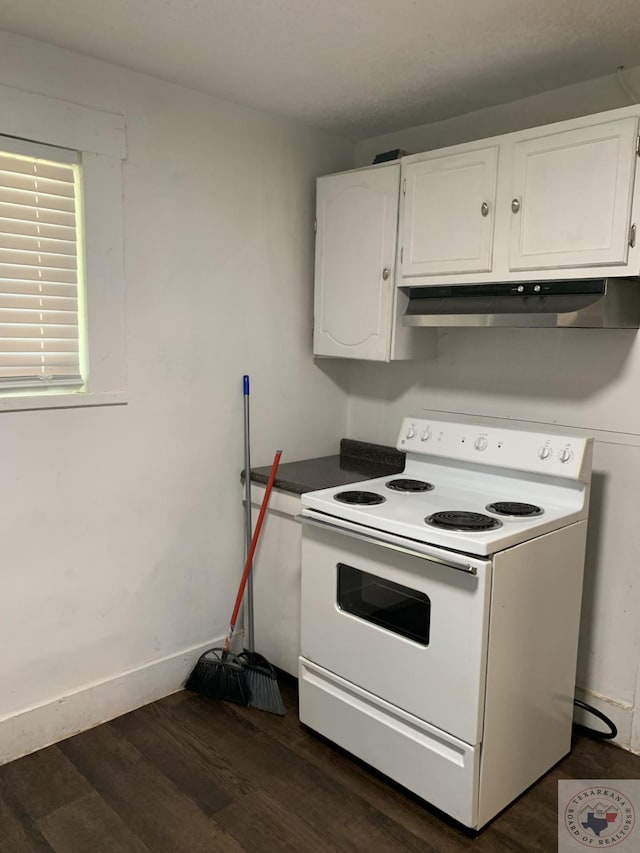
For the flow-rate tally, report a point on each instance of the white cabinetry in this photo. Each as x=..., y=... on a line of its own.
x=276, y=579
x=571, y=197
x=355, y=296
x=449, y=202
x=543, y=203
x=355, y=256
x=554, y=202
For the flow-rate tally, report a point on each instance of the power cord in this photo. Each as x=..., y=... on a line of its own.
x=596, y=733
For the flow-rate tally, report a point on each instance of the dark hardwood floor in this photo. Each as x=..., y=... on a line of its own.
x=187, y=774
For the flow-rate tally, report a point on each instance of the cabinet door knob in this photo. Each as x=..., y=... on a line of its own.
x=484, y=208
x=386, y=272
x=515, y=205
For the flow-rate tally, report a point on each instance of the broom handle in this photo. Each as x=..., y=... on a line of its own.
x=252, y=548
x=248, y=597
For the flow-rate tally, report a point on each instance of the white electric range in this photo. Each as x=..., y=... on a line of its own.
x=440, y=611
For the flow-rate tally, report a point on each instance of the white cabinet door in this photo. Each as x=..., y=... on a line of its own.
x=276, y=579
x=571, y=198
x=448, y=213
x=357, y=216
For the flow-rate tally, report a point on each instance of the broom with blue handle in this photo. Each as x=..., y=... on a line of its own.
x=219, y=674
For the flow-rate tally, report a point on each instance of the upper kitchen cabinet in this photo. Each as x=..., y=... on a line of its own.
x=356, y=224
x=554, y=202
x=571, y=197
x=448, y=213
x=356, y=303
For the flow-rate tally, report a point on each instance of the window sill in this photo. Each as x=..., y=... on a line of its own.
x=61, y=400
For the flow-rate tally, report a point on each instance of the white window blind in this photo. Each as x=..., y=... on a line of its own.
x=40, y=266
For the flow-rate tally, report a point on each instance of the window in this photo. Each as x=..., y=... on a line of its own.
x=86, y=362
x=41, y=270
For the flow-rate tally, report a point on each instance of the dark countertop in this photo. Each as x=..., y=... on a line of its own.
x=357, y=460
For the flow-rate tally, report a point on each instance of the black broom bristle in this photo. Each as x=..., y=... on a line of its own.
x=221, y=675
x=262, y=680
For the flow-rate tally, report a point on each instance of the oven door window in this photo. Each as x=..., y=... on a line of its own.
x=397, y=608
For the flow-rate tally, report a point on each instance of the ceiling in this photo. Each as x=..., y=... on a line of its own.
x=357, y=68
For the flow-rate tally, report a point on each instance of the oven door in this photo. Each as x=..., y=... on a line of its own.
x=410, y=628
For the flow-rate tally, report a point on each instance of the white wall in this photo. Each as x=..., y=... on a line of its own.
x=583, y=380
x=604, y=93
x=122, y=538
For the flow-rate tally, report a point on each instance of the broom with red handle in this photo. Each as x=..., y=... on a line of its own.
x=219, y=674
x=252, y=548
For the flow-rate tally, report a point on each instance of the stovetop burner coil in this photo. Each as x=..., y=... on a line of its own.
x=358, y=497
x=462, y=521
x=405, y=485
x=514, y=508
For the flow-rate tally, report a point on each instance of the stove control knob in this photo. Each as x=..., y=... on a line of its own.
x=544, y=452
x=412, y=431
x=565, y=454
x=425, y=435
x=481, y=442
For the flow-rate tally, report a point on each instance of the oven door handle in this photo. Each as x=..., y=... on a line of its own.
x=325, y=525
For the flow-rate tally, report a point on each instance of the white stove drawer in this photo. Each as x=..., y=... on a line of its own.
x=441, y=769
